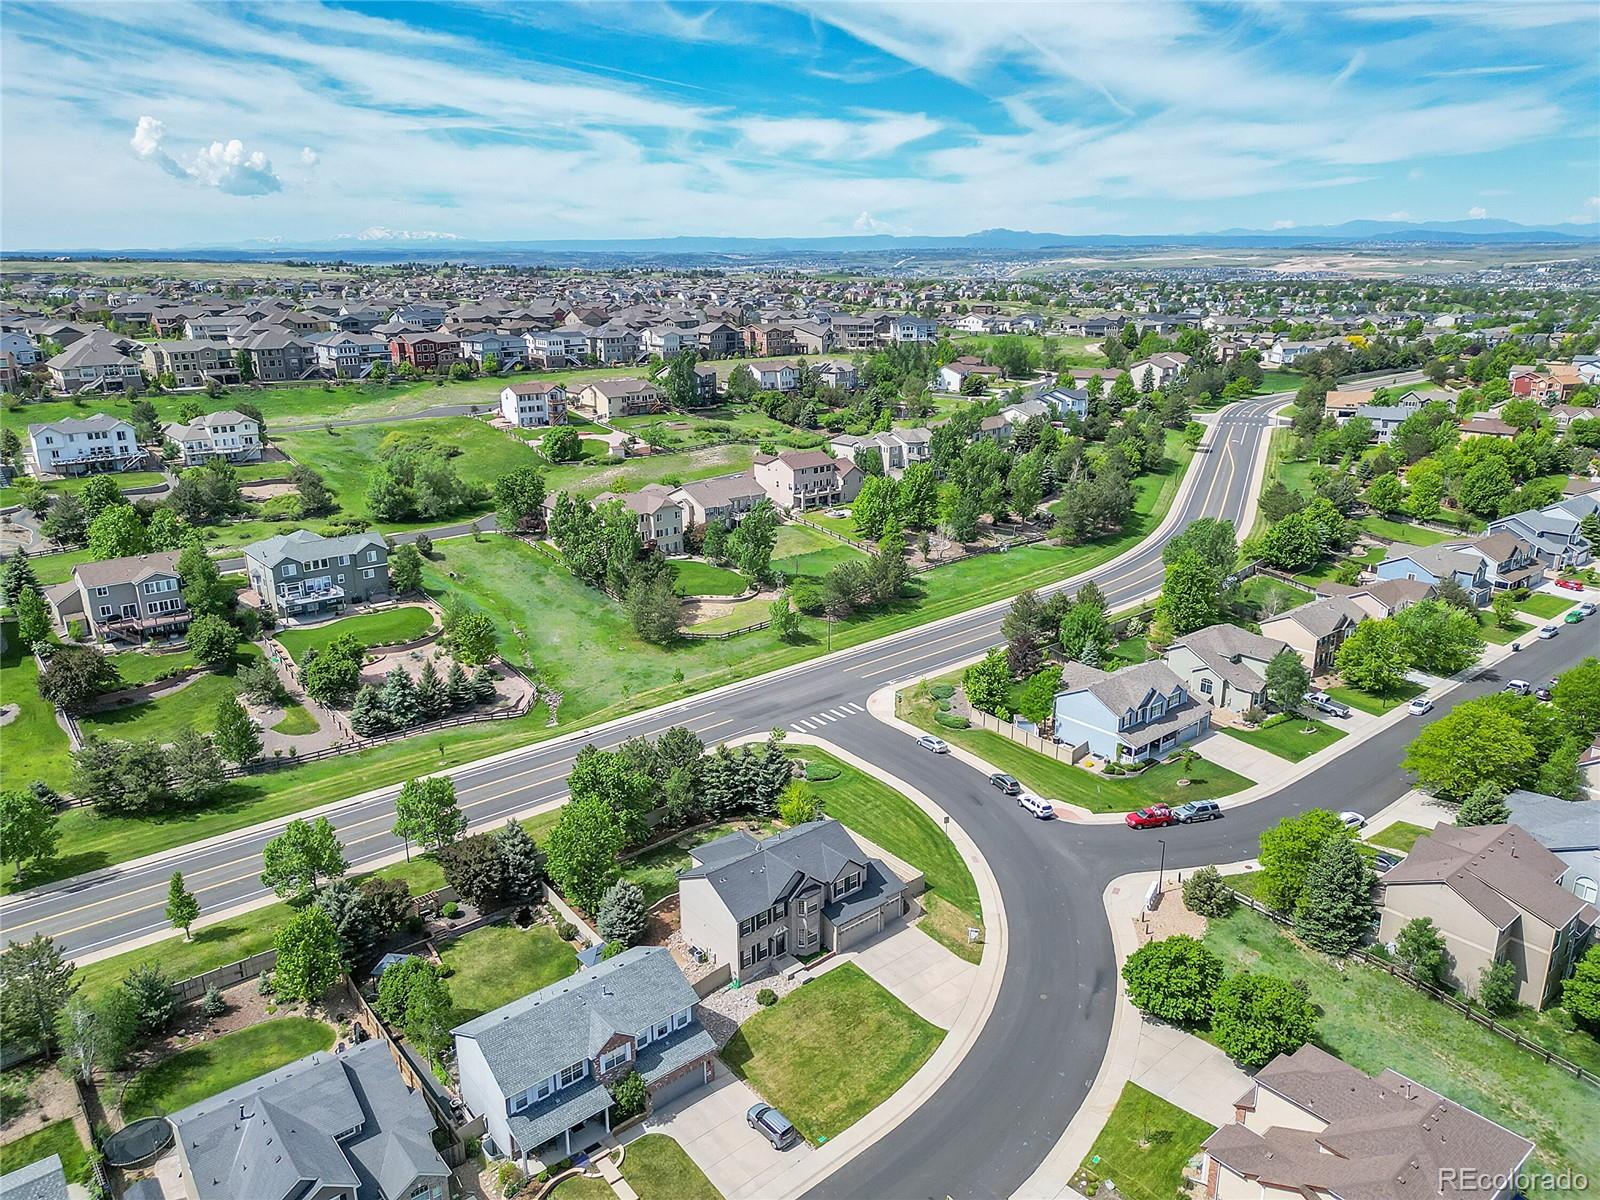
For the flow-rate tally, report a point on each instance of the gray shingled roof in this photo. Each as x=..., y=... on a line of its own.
x=1557, y=824
x=302, y=544
x=126, y=570
x=559, y=1112
x=770, y=869
x=42, y=1180
x=723, y=489
x=98, y=423
x=1221, y=646
x=536, y=1036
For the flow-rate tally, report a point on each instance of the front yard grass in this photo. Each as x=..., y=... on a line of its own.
x=494, y=965
x=581, y=1187
x=1543, y=604
x=1289, y=738
x=1144, y=1146
x=59, y=1137
x=1401, y=836
x=371, y=629
x=202, y=1071
x=1377, y=705
x=1389, y=530
x=843, y=1028
x=697, y=578
x=1503, y=635
x=1430, y=1043
x=659, y=1169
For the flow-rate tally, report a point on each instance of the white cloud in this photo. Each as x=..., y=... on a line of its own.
x=382, y=233
x=309, y=157
x=146, y=141
x=1477, y=212
x=870, y=136
x=226, y=166
x=1399, y=215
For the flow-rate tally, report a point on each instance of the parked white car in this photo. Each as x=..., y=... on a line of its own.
x=928, y=742
x=1352, y=820
x=1548, y=632
x=1420, y=706
x=1042, y=809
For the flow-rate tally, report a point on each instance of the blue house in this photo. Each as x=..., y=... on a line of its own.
x=1141, y=712
x=1435, y=564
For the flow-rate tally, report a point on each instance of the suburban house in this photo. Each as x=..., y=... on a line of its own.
x=1490, y=427
x=1224, y=665
x=132, y=598
x=1553, y=531
x=535, y=1070
x=661, y=516
x=1315, y=631
x=1342, y=405
x=800, y=479
x=609, y=398
x=1385, y=418
x=912, y=329
x=748, y=902
x=84, y=445
x=770, y=339
x=1312, y=1125
x=1511, y=561
x=45, y=1179
x=425, y=351
x=1380, y=598
x=1067, y=402
x=722, y=498
x=773, y=376
x=898, y=448
x=1140, y=712
x=94, y=364
x=534, y=403
x=841, y=375
x=1569, y=829
x=348, y=355
x=507, y=349
x=338, y=1125
x=855, y=333
x=953, y=374
x=20, y=346
x=1434, y=564
x=302, y=573
x=277, y=354
x=1495, y=895
x=191, y=363
x=668, y=341
x=565, y=347
x=1158, y=370
x=612, y=343
x=228, y=435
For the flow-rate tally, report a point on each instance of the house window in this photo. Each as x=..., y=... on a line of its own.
x=615, y=1059
x=662, y=1029
x=680, y=1019
x=571, y=1075
x=105, y=610
x=747, y=927
x=100, y=591
x=369, y=573
x=1585, y=889
x=1205, y=687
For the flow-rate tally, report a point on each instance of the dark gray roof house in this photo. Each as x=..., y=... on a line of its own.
x=42, y=1180
x=1569, y=829
x=337, y=1124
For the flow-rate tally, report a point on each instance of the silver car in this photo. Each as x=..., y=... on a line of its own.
x=772, y=1125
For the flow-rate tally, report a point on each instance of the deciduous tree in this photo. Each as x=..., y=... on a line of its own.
x=309, y=956
x=426, y=812
x=581, y=852
x=1375, y=657
x=28, y=832
x=182, y=907
x=1289, y=849
x=1421, y=947
x=300, y=857
x=1255, y=1018
x=1173, y=979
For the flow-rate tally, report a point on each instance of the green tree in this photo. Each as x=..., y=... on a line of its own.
x=1037, y=700
x=1384, y=494
x=395, y=986
x=1295, y=543
x=1191, y=596
x=629, y=1095
x=1440, y=639
x=1086, y=634
x=622, y=915
x=75, y=676
x=1580, y=994
x=751, y=543
x=429, y=1016
x=681, y=383
x=426, y=812
x=1288, y=679
x=524, y=862
x=334, y=672
x=306, y=852
x=35, y=984
x=1255, y=1018
x=1576, y=695
x=28, y=833
x=1335, y=909
x=1472, y=744
x=1213, y=539
x=1486, y=483
x=561, y=444
x=194, y=767
x=874, y=505
x=204, y=590
x=212, y=640
x=1486, y=805
x=147, y=990
x=799, y=803
x=581, y=851
x=785, y=621
x=472, y=638
x=1504, y=609
x=405, y=570
x=33, y=618
x=1497, y=987
x=182, y=907
x=519, y=498
x=118, y=532
x=237, y=736
x=1421, y=947
x=310, y=957
x=474, y=868
x=1206, y=893
x=1173, y=979
x=654, y=608
x=1288, y=851
x=988, y=684
x=1375, y=657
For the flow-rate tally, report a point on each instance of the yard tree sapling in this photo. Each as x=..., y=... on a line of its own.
x=299, y=858
x=28, y=830
x=1206, y=894
x=784, y=620
x=799, y=803
x=1255, y=1018
x=1173, y=979
x=1421, y=947
x=405, y=570
x=310, y=957
x=149, y=990
x=182, y=907
x=1504, y=609
x=1497, y=987
x=1288, y=680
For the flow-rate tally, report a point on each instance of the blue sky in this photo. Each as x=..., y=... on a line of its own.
x=178, y=124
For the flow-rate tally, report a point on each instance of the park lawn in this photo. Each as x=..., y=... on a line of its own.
x=1288, y=739
x=1378, y=705
x=870, y=807
x=494, y=965
x=59, y=1137
x=843, y=1028
x=1279, y=381
x=1402, y=531
x=695, y=578
x=202, y=1071
x=1145, y=1145
x=658, y=1169
x=1434, y=1045
x=656, y=870
x=1051, y=779
x=296, y=721
x=192, y=707
x=1401, y=836
x=801, y=551
x=590, y=479
x=35, y=746
x=385, y=628
x=1543, y=604
x=137, y=666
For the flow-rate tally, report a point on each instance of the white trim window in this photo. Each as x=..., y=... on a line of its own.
x=571, y=1075
x=617, y=1057
x=680, y=1019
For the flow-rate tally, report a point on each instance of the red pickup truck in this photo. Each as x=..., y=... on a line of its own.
x=1153, y=817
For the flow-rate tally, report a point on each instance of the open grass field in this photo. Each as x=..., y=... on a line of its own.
x=193, y=1075
x=1432, y=1044
x=801, y=551
x=1543, y=604
x=658, y=1169
x=697, y=578
x=192, y=707
x=1144, y=1146
x=1279, y=381
x=496, y=964
x=590, y=479
x=59, y=1137
x=371, y=629
x=35, y=746
x=1289, y=739
x=842, y=1027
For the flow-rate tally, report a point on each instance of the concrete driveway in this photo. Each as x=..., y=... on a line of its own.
x=923, y=975
x=709, y=1124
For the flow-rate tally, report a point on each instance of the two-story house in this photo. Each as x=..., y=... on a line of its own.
x=853, y=333
x=1554, y=531
x=191, y=362
x=1067, y=402
x=1509, y=561
x=896, y=448
x=131, y=598
x=536, y=1070
x=277, y=354
x=1141, y=712
x=534, y=403
x=1224, y=666
x=227, y=435
x=1315, y=631
x=94, y=364
x=608, y=398
x=303, y=573
x=425, y=351
x=773, y=376
x=564, y=347
x=1434, y=564
x=1569, y=829
x=662, y=519
x=83, y=445
x=748, y=902
x=769, y=339
x=909, y=328
x=841, y=375
x=953, y=375
x=348, y=355
x=1159, y=370
x=722, y=499
x=801, y=479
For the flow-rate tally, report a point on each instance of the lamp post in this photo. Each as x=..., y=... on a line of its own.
x=1161, y=872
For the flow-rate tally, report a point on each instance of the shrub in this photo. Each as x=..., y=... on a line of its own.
x=566, y=929
x=766, y=997
x=1497, y=988
x=450, y=910
x=1255, y=1018
x=509, y=1178
x=1173, y=979
x=952, y=720
x=629, y=1096
x=942, y=691
x=1254, y=715
x=212, y=1005
x=1112, y=768
x=820, y=772
x=1205, y=893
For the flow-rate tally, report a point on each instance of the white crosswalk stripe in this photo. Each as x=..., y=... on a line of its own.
x=854, y=707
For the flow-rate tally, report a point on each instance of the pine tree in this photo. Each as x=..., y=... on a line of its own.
x=432, y=699
x=1485, y=806
x=776, y=768
x=182, y=907
x=368, y=717
x=18, y=574
x=524, y=861
x=483, y=689
x=1335, y=910
x=458, y=688
x=238, y=738
x=622, y=914
x=400, y=698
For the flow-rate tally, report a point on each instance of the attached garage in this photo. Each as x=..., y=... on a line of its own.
x=858, y=928
x=694, y=1077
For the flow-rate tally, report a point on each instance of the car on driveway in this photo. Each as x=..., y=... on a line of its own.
x=1325, y=703
x=1517, y=687
x=1352, y=820
x=1154, y=817
x=1196, y=810
x=928, y=742
x=1572, y=585
x=1384, y=859
x=1042, y=809
x=1573, y=617
x=772, y=1125
x=1548, y=632
x=1005, y=783
x=1419, y=706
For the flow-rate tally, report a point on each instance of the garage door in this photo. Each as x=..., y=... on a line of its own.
x=852, y=935
x=679, y=1087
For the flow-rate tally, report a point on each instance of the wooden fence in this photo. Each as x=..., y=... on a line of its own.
x=226, y=976
x=1059, y=751
x=690, y=635
x=864, y=547
x=1476, y=1015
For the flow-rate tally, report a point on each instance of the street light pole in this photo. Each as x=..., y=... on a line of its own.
x=1161, y=872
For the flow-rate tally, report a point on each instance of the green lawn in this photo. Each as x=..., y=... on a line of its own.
x=59, y=1137
x=35, y=746
x=658, y=1169
x=202, y=1071
x=704, y=579
x=1289, y=739
x=842, y=1028
x=656, y=869
x=496, y=964
x=1279, y=381
x=1543, y=604
x=76, y=483
x=193, y=707
x=1432, y=1044
x=136, y=666
x=589, y=479
x=1402, y=531
x=741, y=615
x=297, y=721
x=1144, y=1146
x=802, y=551
x=1326, y=570
x=1377, y=705
x=1262, y=596
x=581, y=1187
x=372, y=629
x=57, y=568
x=1401, y=836
x=1054, y=779
x=1503, y=635
x=1131, y=651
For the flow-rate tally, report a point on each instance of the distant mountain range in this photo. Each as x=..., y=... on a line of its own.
x=377, y=241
